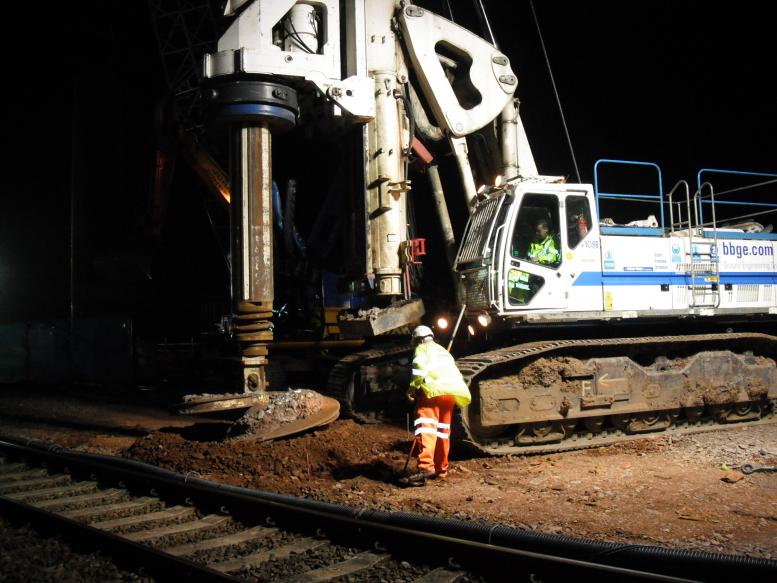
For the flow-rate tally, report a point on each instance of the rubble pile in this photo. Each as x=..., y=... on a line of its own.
x=282, y=408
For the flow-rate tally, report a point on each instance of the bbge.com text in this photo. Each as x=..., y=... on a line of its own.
x=739, y=250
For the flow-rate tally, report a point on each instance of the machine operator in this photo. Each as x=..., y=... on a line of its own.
x=543, y=249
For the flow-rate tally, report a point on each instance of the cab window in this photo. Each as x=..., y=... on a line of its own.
x=522, y=286
x=578, y=219
x=536, y=232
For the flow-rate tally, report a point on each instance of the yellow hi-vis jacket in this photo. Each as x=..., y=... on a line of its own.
x=435, y=373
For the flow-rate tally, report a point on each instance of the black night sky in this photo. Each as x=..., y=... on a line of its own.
x=683, y=87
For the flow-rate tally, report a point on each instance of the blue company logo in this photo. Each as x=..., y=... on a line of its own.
x=675, y=249
x=608, y=262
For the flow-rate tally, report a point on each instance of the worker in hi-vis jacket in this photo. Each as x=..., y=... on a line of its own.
x=436, y=387
x=543, y=249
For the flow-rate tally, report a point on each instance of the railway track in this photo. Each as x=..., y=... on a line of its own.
x=181, y=526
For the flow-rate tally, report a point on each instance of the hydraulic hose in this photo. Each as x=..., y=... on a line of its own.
x=425, y=127
x=291, y=236
x=277, y=208
x=285, y=224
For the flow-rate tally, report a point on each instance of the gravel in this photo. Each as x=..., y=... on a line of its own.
x=27, y=556
x=716, y=448
x=282, y=569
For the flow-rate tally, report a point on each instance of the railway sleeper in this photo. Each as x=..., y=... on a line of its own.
x=21, y=475
x=286, y=550
x=58, y=492
x=128, y=508
x=34, y=484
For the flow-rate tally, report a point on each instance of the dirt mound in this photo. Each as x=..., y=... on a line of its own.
x=343, y=450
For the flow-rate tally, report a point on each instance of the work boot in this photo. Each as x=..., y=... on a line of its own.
x=417, y=479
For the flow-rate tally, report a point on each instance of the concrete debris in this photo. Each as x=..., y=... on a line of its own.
x=283, y=408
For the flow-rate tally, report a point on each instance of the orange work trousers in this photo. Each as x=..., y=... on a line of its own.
x=432, y=432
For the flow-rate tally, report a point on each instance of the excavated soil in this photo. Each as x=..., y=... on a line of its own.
x=546, y=373
x=678, y=492
x=670, y=491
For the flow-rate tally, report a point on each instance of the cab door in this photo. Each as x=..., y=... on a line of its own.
x=561, y=274
x=533, y=266
x=581, y=271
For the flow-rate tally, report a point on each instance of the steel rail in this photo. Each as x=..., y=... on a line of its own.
x=124, y=552
x=358, y=526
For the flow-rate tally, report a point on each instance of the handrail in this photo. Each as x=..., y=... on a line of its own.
x=496, y=281
x=715, y=260
x=702, y=199
x=712, y=200
x=688, y=202
x=611, y=195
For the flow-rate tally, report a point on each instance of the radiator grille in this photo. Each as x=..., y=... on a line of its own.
x=475, y=243
x=476, y=286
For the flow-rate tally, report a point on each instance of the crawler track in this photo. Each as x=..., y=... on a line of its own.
x=341, y=384
x=510, y=360
x=514, y=358
x=179, y=526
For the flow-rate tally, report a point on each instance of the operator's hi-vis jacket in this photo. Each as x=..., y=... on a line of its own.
x=435, y=373
x=544, y=252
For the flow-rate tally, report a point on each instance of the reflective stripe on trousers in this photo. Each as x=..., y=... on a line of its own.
x=432, y=432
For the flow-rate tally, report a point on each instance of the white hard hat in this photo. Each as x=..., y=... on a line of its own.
x=422, y=332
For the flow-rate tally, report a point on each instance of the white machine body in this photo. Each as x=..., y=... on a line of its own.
x=352, y=55
x=605, y=272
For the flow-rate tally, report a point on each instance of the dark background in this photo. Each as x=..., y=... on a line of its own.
x=685, y=85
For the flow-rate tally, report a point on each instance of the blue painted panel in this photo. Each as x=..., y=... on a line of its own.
x=725, y=235
x=743, y=278
x=631, y=231
x=594, y=278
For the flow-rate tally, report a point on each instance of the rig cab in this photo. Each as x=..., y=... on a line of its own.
x=540, y=251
